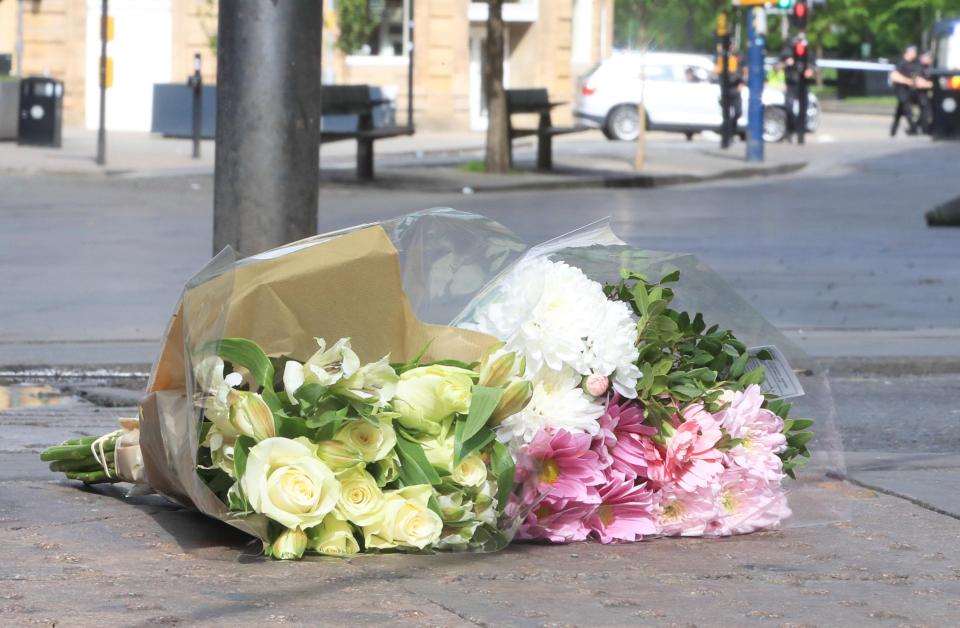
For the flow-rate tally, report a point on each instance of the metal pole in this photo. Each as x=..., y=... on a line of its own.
x=102, y=131
x=196, y=82
x=409, y=40
x=19, y=44
x=755, y=83
x=267, y=166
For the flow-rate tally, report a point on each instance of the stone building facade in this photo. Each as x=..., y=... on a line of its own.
x=550, y=43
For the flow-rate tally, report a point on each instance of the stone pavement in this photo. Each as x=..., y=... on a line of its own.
x=429, y=161
x=75, y=556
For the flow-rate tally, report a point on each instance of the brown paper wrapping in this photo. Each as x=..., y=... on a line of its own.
x=348, y=286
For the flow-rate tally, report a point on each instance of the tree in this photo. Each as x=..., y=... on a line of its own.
x=355, y=23
x=498, y=139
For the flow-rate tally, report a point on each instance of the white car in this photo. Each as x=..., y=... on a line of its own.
x=681, y=93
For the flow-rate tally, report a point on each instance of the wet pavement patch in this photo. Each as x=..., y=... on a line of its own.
x=33, y=395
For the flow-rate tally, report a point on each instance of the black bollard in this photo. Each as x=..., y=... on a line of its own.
x=196, y=82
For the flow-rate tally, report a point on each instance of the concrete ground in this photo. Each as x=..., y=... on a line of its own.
x=836, y=255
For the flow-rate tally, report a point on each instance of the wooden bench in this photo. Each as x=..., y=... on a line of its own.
x=356, y=100
x=536, y=101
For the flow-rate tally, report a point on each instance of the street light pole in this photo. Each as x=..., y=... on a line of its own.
x=19, y=45
x=102, y=129
x=267, y=164
x=756, y=29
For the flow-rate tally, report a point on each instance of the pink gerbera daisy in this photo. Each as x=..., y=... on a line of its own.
x=683, y=513
x=746, y=503
x=562, y=466
x=626, y=511
x=760, y=433
x=556, y=520
x=690, y=458
x=623, y=441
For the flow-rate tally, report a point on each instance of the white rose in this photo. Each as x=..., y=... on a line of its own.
x=429, y=394
x=372, y=441
x=405, y=520
x=470, y=472
x=285, y=481
x=361, y=500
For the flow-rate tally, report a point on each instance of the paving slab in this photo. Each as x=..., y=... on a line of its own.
x=849, y=555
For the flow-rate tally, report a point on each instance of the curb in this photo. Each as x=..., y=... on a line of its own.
x=394, y=180
x=893, y=366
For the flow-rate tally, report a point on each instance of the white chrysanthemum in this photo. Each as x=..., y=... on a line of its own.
x=612, y=349
x=557, y=402
x=556, y=316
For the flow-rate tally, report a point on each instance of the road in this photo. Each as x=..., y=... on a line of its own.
x=842, y=245
x=93, y=265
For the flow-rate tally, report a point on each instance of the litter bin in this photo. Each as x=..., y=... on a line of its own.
x=41, y=111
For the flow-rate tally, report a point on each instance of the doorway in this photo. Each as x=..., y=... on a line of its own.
x=142, y=55
x=478, y=98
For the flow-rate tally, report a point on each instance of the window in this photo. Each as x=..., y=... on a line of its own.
x=657, y=72
x=385, y=21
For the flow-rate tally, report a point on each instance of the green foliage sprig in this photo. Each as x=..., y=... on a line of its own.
x=682, y=361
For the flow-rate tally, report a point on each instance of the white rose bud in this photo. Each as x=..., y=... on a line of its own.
x=251, y=416
x=338, y=455
x=333, y=537
x=290, y=545
x=497, y=367
x=515, y=398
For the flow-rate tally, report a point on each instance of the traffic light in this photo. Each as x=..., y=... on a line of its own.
x=799, y=15
x=800, y=51
x=784, y=4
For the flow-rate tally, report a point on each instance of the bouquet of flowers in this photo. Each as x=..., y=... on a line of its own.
x=301, y=397
x=643, y=422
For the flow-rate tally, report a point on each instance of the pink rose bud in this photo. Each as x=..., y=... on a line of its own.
x=596, y=385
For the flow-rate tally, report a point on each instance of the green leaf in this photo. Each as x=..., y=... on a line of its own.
x=434, y=504
x=504, y=469
x=641, y=298
x=310, y=394
x=249, y=355
x=327, y=417
x=670, y=278
x=455, y=363
x=482, y=404
x=291, y=426
x=463, y=448
x=687, y=390
x=799, y=439
x=414, y=466
x=799, y=425
x=736, y=369
x=240, y=450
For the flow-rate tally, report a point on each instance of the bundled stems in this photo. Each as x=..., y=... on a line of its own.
x=76, y=459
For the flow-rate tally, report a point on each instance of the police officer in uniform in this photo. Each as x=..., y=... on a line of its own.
x=903, y=78
x=923, y=95
x=793, y=79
